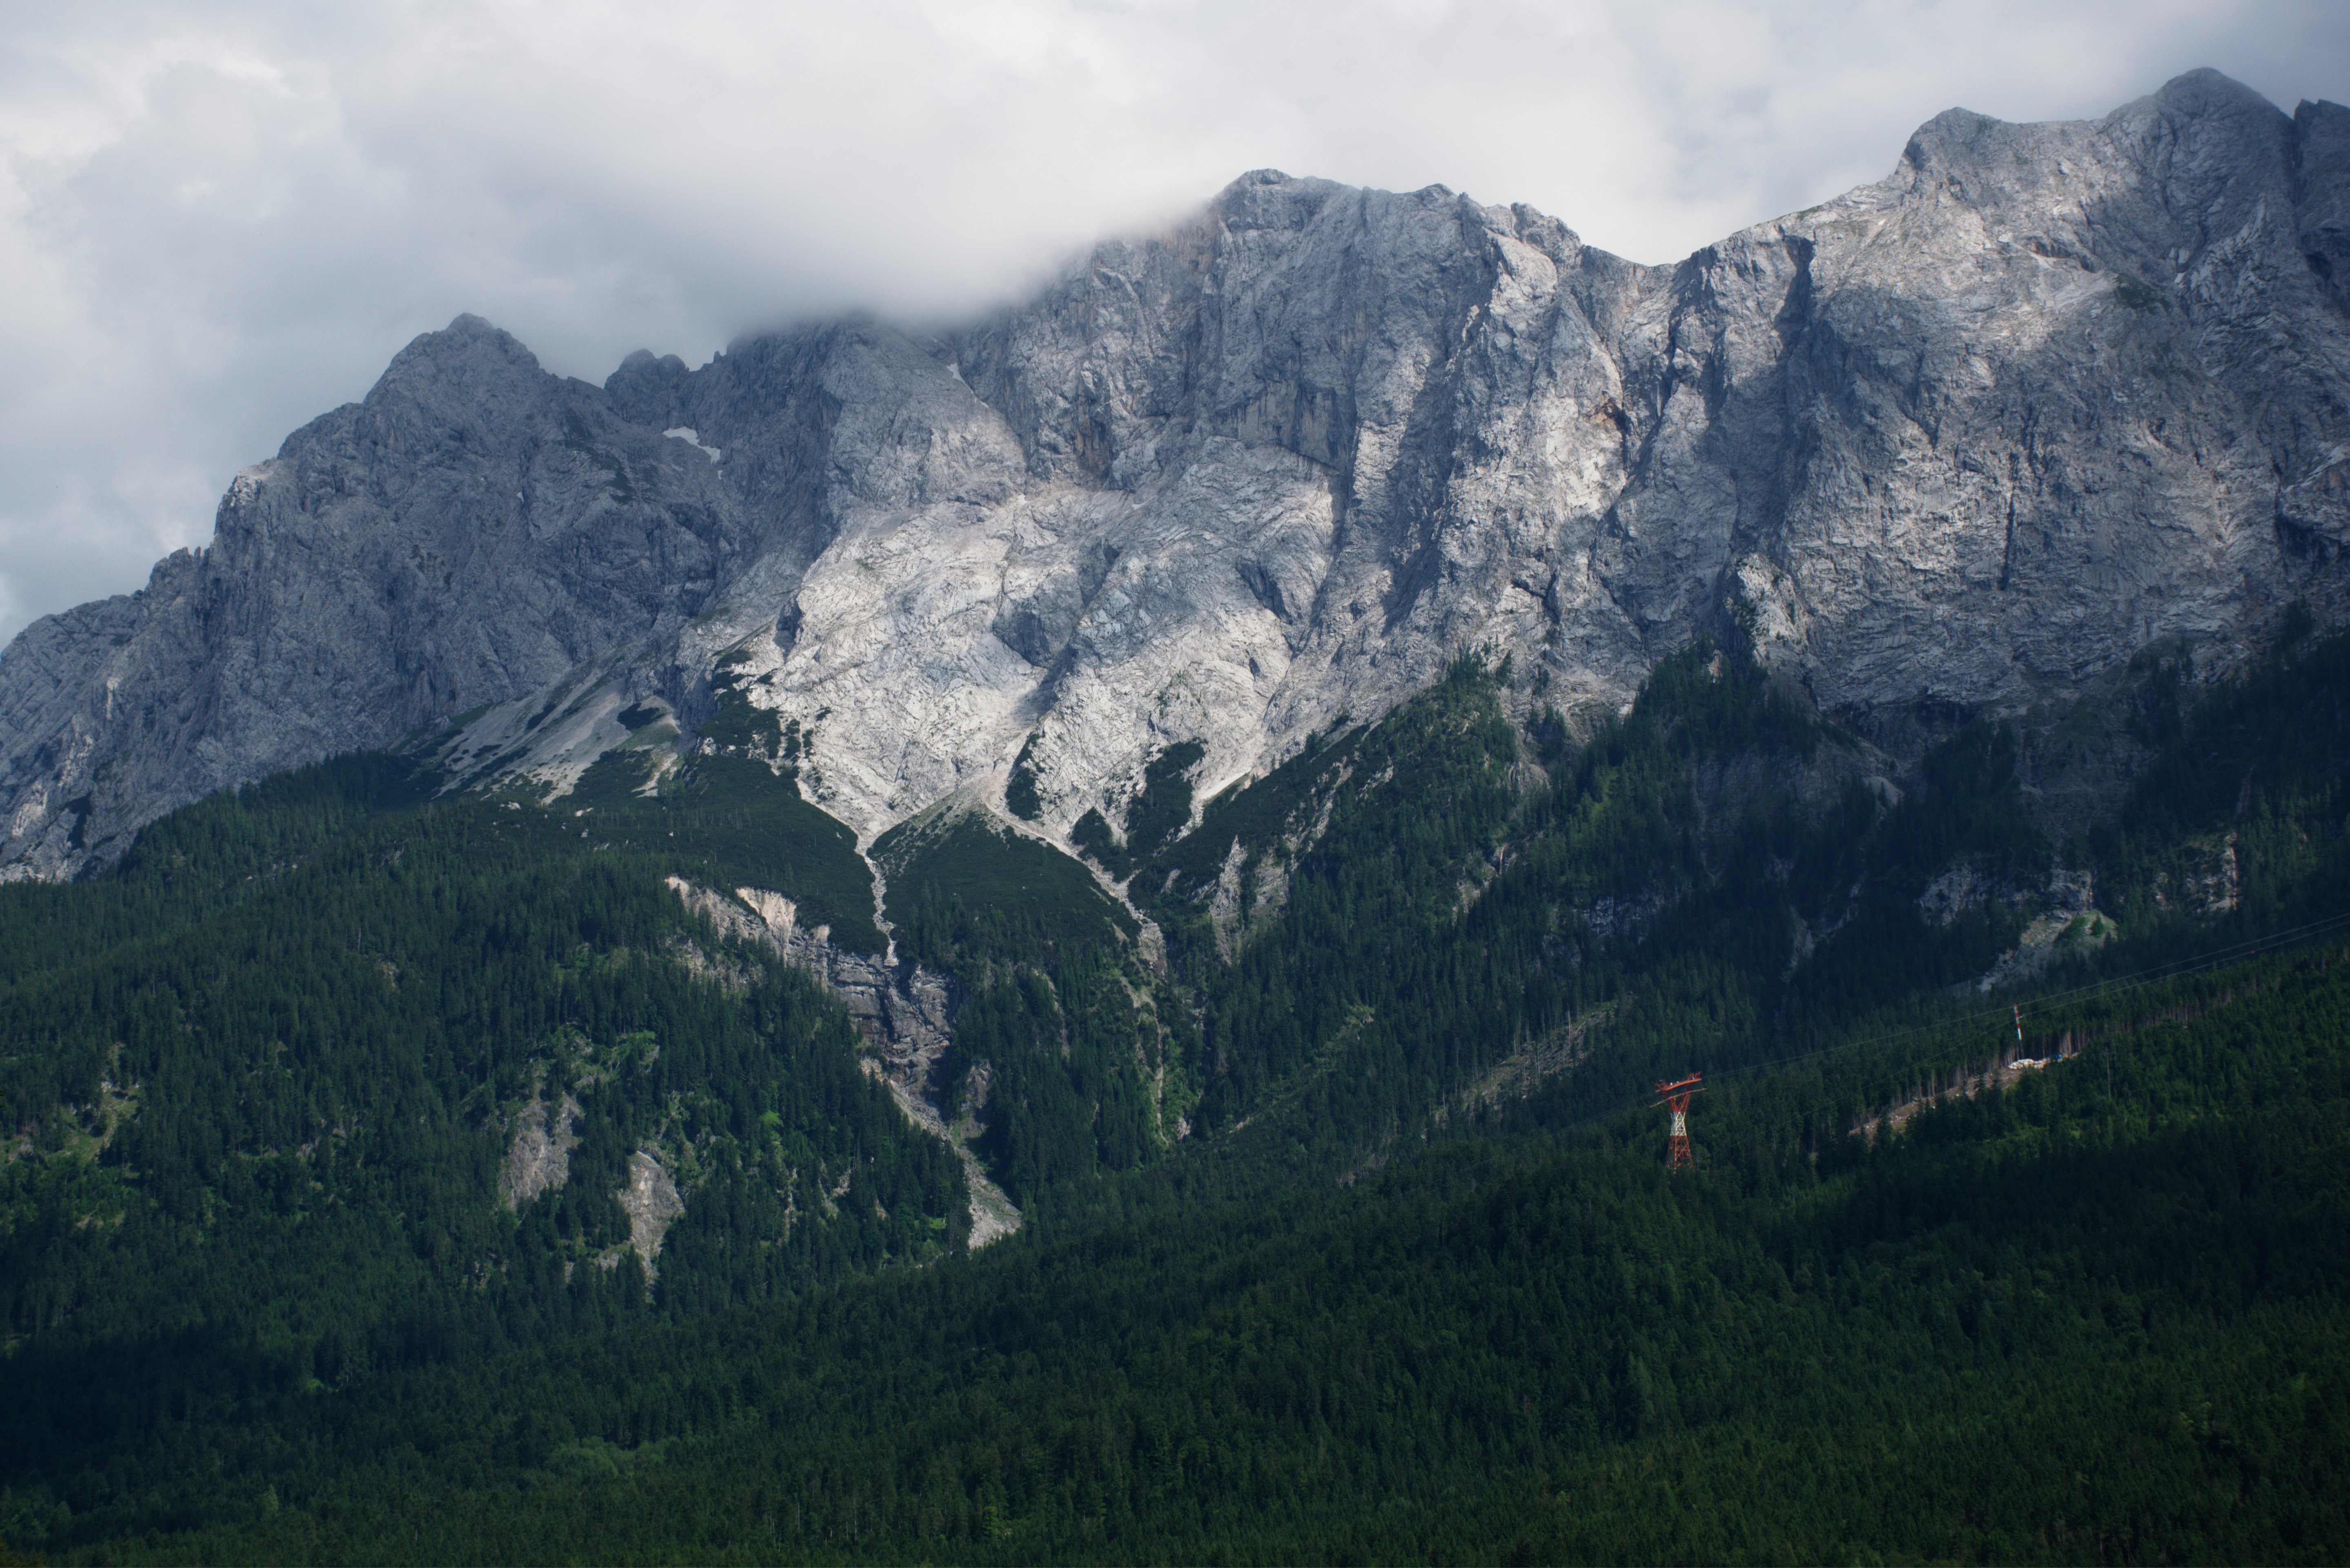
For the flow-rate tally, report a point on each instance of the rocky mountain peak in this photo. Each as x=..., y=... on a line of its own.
x=1963, y=441
x=646, y=390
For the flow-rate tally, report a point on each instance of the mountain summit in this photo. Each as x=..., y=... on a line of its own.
x=1971, y=437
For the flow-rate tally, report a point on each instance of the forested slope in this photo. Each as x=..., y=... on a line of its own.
x=265, y=1079
x=1351, y=1233
x=2055, y=1325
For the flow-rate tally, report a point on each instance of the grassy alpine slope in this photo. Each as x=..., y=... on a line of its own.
x=1416, y=1285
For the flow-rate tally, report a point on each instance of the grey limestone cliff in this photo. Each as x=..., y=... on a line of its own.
x=1967, y=437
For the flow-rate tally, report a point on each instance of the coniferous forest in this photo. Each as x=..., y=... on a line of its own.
x=402, y=1175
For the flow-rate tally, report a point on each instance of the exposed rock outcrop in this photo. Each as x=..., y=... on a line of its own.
x=906, y=1014
x=540, y=1158
x=651, y=1202
x=1959, y=441
x=907, y=1017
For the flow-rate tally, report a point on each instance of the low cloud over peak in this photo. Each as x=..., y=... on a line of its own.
x=215, y=225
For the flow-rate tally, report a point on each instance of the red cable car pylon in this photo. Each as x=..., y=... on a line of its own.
x=1676, y=1099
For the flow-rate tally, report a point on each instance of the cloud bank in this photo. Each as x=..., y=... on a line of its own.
x=218, y=222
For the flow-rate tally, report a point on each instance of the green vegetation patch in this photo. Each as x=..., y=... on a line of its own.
x=1256, y=815
x=611, y=782
x=1020, y=796
x=2138, y=297
x=1158, y=812
x=1163, y=808
x=730, y=822
x=741, y=725
x=1061, y=1057
x=1091, y=834
x=965, y=891
x=1071, y=1055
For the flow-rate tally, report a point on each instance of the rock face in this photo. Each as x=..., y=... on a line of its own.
x=651, y=1202
x=906, y=1015
x=540, y=1158
x=1967, y=438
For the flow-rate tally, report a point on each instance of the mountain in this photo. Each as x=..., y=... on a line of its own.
x=396, y=1177
x=1960, y=443
x=1055, y=943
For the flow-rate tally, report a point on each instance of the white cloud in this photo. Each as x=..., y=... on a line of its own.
x=218, y=222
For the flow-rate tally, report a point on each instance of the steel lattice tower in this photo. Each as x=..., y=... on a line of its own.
x=1676, y=1098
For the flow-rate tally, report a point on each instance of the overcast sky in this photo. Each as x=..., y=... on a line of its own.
x=220, y=219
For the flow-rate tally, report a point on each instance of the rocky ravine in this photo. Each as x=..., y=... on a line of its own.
x=1973, y=434
x=906, y=1016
